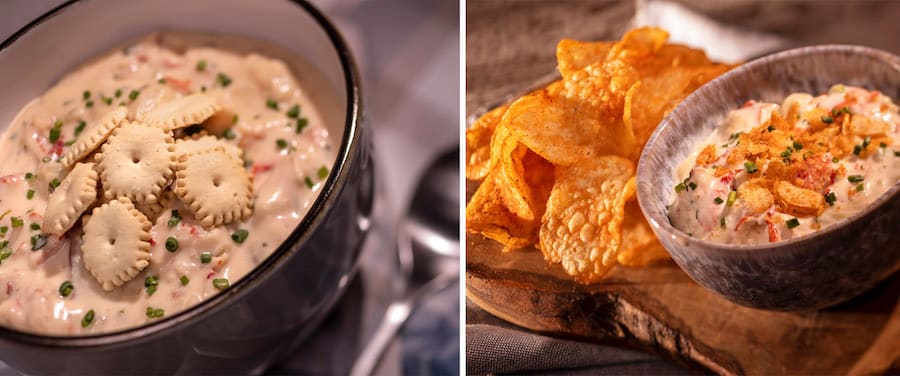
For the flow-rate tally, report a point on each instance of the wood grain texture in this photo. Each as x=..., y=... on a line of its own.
x=659, y=309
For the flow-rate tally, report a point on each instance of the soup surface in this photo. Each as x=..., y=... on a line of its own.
x=271, y=114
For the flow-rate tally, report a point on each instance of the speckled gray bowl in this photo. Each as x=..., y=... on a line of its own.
x=810, y=272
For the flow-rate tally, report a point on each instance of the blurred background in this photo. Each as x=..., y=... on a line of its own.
x=408, y=55
x=511, y=47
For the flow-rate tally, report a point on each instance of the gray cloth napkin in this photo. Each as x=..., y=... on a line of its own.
x=492, y=349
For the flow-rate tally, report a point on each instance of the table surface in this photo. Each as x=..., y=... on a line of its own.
x=410, y=74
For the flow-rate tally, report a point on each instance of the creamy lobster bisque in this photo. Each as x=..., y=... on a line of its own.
x=287, y=151
x=774, y=172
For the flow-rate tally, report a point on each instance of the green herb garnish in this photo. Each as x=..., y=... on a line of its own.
x=680, y=187
x=65, y=289
x=732, y=196
x=89, y=104
x=294, y=111
x=239, y=236
x=80, y=127
x=5, y=252
x=234, y=120
x=150, y=284
x=175, y=219
x=827, y=119
x=86, y=95
x=221, y=283
x=16, y=221
x=301, y=125
x=29, y=176
x=223, y=79
x=87, y=319
x=271, y=103
x=798, y=146
x=860, y=187
x=53, y=184
x=750, y=167
x=38, y=241
x=281, y=143
x=133, y=95
x=793, y=222
x=835, y=160
x=205, y=257
x=35, y=226
x=770, y=128
x=830, y=198
x=118, y=93
x=229, y=134
x=309, y=182
x=855, y=178
x=184, y=280
x=171, y=244
x=30, y=194
x=722, y=222
x=322, y=172
x=201, y=65
x=155, y=313
x=692, y=185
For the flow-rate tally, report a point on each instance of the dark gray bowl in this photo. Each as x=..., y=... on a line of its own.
x=810, y=272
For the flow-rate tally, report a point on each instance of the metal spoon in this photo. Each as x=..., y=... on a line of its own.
x=428, y=251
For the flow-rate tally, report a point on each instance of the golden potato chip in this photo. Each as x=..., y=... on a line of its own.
x=582, y=225
x=572, y=55
x=487, y=215
x=478, y=143
x=639, y=244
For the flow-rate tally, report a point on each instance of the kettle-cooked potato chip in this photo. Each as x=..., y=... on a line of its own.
x=582, y=226
x=478, y=143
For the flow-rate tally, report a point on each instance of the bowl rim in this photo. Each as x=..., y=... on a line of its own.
x=663, y=225
x=311, y=221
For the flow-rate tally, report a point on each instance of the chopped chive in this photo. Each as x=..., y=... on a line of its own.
x=294, y=111
x=786, y=154
x=38, y=241
x=106, y=100
x=830, y=198
x=239, y=236
x=201, y=65
x=69, y=143
x=86, y=95
x=89, y=104
x=150, y=283
x=53, y=184
x=223, y=79
x=155, y=313
x=281, y=143
x=5, y=252
x=835, y=160
x=860, y=187
x=229, y=134
x=234, y=120
x=793, y=222
x=301, y=125
x=770, y=128
x=882, y=145
x=322, y=172
x=3, y=229
x=35, y=226
x=732, y=196
x=718, y=201
x=205, y=257
x=221, y=283
x=54, y=134
x=798, y=146
x=271, y=103
x=16, y=221
x=184, y=280
x=750, y=167
x=29, y=176
x=171, y=244
x=855, y=178
x=309, y=182
x=133, y=95
x=692, y=185
x=80, y=127
x=680, y=187
x=30, y=194
x=175, y=219
x=65, y=289
x=87, y=319
x=827, y=119
x=722, y=222
x=866, y=142
x=118, y=93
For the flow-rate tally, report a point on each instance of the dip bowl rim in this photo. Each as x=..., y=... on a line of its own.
x=350, y=141
x=662, y=225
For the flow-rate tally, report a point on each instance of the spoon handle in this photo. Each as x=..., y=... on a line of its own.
x=396, y=315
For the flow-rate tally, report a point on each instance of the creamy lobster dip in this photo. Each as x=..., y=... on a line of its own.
x=773, y=172
x=278, y=119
